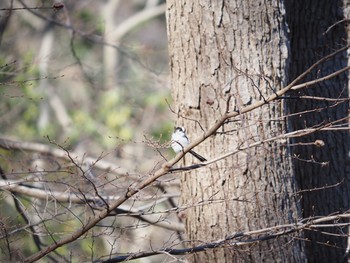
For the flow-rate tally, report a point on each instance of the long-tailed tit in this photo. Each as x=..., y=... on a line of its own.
x=180, y=141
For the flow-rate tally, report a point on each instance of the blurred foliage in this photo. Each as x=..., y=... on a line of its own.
x=101, y=114
x=67, y=96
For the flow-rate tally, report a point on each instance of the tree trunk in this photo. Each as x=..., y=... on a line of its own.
x=322, y=171
x=225, y=55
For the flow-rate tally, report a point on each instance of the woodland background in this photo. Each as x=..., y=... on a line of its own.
x=86, y=117
x=92, y=78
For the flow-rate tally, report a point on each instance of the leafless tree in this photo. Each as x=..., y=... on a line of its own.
x=274, y=132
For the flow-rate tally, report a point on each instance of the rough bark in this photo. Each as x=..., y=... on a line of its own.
x=320, y=168
x=225, y=55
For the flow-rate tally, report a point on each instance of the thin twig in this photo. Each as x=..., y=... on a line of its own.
x=240, y=239
x=131, y=191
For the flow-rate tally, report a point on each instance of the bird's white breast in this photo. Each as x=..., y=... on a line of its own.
x=179, y=141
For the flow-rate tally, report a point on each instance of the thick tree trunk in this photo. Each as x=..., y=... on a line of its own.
x=225, y=55
x=323, y=172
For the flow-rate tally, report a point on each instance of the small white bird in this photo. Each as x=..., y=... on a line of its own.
x=180, y=141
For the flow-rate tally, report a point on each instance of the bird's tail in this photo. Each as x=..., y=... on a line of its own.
x=199, y=157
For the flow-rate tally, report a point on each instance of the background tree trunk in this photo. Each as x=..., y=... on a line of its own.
x=225, y=55
x=320, y=168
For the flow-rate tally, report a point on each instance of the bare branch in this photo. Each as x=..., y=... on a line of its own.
x=313, y=82
x=9, y=144
x=282, y=137
x=55, y=7
x=80, y=198
x=236, y=240
x=260, y=103
x=131, y=191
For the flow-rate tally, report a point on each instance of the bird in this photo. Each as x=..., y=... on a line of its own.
x=180, y=141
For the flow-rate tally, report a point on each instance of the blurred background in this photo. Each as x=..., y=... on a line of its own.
x=90, y=78
x=92, y=74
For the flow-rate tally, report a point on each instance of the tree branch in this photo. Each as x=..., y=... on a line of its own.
x=236, y=240
x=79, y=198
x=10, y=144
x=131, y=191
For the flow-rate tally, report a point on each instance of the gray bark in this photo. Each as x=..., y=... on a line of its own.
x=225, y=55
